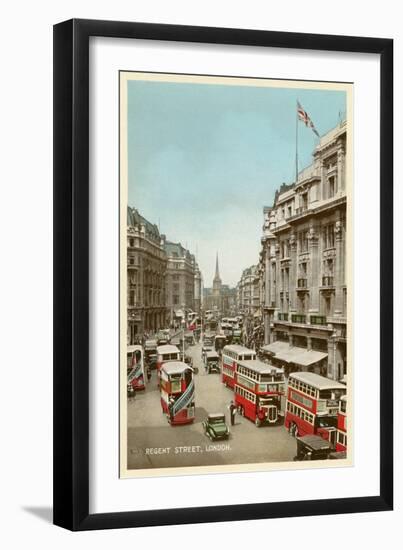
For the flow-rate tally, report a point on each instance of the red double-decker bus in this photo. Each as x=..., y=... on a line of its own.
x=135, y=367
x=177, y=392
x=258, y=390
x=166, y=353
x=231, y=355
x=312, y=405
x=341, y=441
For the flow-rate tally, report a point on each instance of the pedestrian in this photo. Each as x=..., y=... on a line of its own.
x=148, y=373
x=171, y=408
x=232, y=411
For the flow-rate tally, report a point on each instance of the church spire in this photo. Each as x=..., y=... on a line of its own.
x=217, y=271
x=217, y=280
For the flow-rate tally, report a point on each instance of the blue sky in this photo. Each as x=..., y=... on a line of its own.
x=203, y=160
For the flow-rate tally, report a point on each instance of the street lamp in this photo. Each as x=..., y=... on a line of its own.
x=183, y=329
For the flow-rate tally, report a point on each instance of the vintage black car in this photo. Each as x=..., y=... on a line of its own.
x=150, y=353
x=208, y=339
x=312, y=447
x=205, y=349
x=215, y=426
x=212, y=362
x=220, y=341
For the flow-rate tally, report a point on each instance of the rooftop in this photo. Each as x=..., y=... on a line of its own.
x=175, y=367
x=261, y=367
x=176, y=250
x=135, y=219
x=238, y=349
x=332, y=134
x=317, y=381
x=167, y=348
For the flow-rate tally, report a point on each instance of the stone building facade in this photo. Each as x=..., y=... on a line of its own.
x=180, y=281
x=249, y=291
x=146, y=267
x=303, y=265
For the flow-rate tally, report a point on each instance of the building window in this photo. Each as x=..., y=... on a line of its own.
x=132, y=298
x=284, y=249
x=332, y=187
x=302, y=270
x=303, y=241
x=328, y=236
x=304, y=201
x=176, y=300
x=327, y=278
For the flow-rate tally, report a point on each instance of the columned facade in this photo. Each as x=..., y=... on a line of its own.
x=146, y=267
x=180, y=282
x=303, y=261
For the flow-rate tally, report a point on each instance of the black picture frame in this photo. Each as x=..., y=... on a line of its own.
x=71, y=273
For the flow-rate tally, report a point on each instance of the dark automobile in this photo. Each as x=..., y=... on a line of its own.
x=215, y=426
x=205, y=349
x=150, y=346
x=219, y=342
x=163, y=337
x=150, y=353
x=208, y=339
x=212, y=362
x=312, y=447
x=151, y=360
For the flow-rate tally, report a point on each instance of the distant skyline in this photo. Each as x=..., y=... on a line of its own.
x=203, y=161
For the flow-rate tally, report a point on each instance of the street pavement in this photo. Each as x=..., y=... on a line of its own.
x=154, y=443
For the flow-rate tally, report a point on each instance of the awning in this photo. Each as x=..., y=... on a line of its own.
x=294, y=354
x=305, y=358
x=276, y=347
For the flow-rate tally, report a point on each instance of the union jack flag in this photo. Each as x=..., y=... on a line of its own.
x=305, y=118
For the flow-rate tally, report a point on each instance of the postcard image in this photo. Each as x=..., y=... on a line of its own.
x=235, y=274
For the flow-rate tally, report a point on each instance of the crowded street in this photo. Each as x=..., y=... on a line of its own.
x=154, y=443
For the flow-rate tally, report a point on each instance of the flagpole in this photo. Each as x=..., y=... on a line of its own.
x=296, y=142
